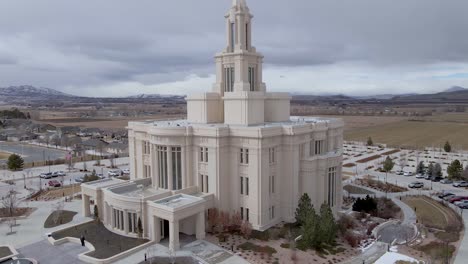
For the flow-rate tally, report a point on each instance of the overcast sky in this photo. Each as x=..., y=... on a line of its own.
x=119, y=48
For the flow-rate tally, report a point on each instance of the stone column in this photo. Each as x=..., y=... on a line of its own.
x=112, y=215
x=86, y=210
x=184, y=166
x=125, y=217
x=174, y=235
x=200, y=226
x=156, y=229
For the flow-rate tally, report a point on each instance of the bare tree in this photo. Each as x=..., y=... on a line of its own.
x=10, y=202
x=57, y=209
x=65, y=141
x=402, y=162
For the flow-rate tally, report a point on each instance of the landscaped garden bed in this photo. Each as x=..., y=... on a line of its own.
x=17, y=212
x=369, y=159
x=390, y=152
x=5, y=252
x=356, y=190
x=440, y=224
x=380, y=186
x=59, y=217
x=105, y=242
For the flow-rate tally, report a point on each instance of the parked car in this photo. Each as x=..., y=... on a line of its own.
x=54, y=183
x=463, y=203
x=114, y=173
x=79, y=179
x=400, y=173
x=448, y=197
x=444, y=194
x=46, y=175
x=61, y=173
x=457, y=183
x=416, y=185
x=55, y=174
x=460, y=201
x=460, y=184
x=446, y=181
x=126, y=171
x=408, y=174
x=436, y=179
x=420, y=176
x=458, y=198
x=427, y=177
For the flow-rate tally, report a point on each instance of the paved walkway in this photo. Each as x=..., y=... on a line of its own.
x=202, y=250
x=44, y=252
x=370, y=255
x=32, y=229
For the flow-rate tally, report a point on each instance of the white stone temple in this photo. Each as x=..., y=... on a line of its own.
x=239, y=151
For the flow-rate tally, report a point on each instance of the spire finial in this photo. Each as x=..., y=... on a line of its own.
x=241, y=3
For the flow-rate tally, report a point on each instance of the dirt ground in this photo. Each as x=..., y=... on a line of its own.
x=283, y=255
x=4, y=155
x=56, y=193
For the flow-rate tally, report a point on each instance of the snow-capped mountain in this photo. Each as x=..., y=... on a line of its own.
x=152, y=96
x=31, y=92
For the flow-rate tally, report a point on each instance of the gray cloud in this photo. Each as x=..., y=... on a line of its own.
x=61, y=44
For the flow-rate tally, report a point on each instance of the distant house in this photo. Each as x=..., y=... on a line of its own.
x=68, y=130
x=94, y=144
x=117, y=148
x=20, y=136
x=91, y=132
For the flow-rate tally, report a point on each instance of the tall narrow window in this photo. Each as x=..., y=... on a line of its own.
x=162, y=162
x=233, y=36
x=272, y=184
x=204, y=183
x=247, y=36
x=242, y=185
x=229, y=79
x=271, y=155
x=247, y=214
x=242, y=213
x=331, y=186
x=203, y=154
x=176, y=168
x=244, y=156
x=246, y=186
x=252, y=78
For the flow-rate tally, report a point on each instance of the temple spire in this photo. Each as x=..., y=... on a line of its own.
x=240, y=3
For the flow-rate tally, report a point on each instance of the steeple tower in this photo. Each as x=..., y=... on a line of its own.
x=239, y=95
x=239, y=66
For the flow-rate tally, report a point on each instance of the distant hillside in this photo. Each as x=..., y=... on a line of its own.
x=455, y=96
x=454, y=89
x=31, y=91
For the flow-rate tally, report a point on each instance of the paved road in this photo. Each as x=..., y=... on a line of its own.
x=31, y=153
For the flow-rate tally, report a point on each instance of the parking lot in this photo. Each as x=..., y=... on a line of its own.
x=30, y=179
x=360, y=160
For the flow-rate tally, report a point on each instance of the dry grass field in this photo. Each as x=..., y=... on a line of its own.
x=103, y=123
x=420, y=132
x=4, y=155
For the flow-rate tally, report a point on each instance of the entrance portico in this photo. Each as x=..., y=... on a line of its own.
x=174, y=209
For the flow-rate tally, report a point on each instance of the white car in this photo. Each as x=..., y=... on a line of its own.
x=407, y=174
x=420, y=176
x=113, y=173
x=126, y=171
x=463, y=201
